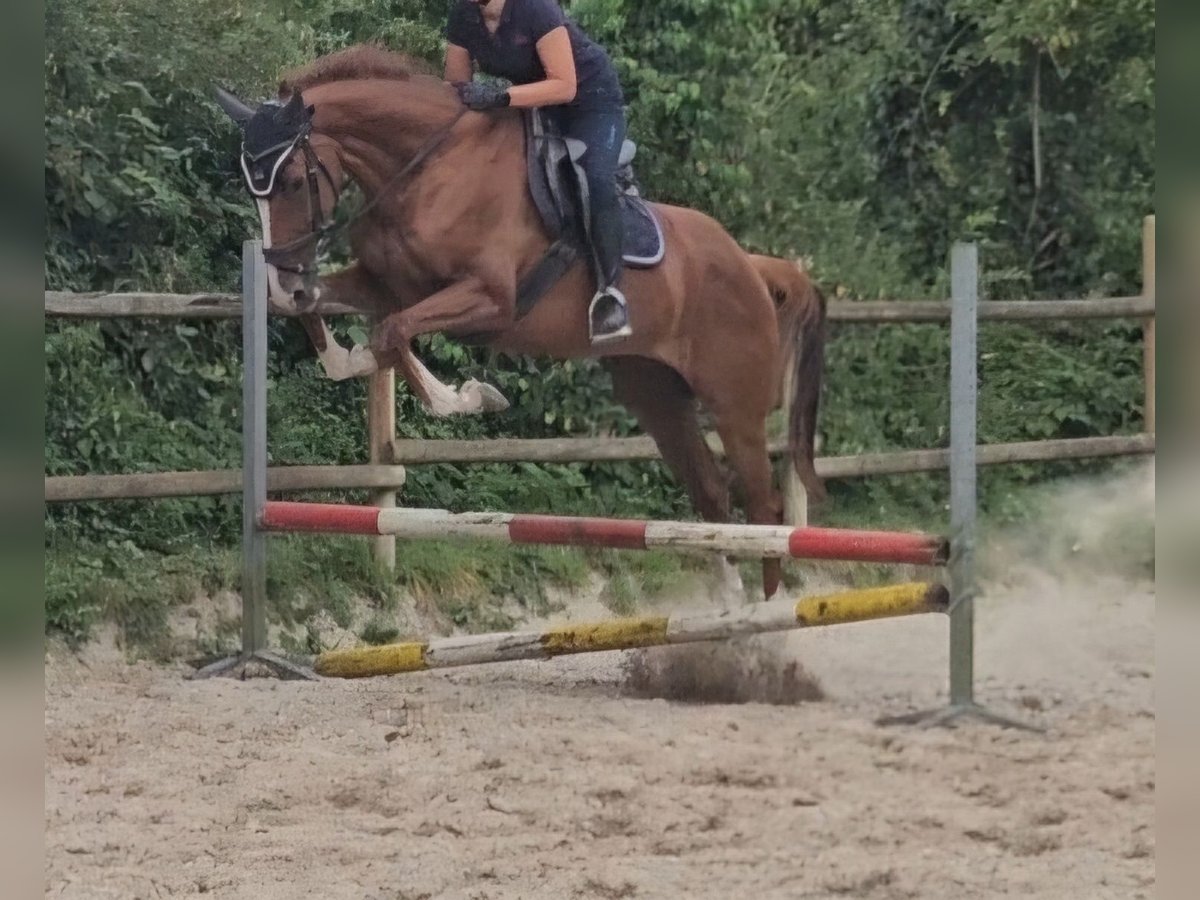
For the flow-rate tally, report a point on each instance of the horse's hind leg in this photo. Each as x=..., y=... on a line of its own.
x=742, y=425
x=745, y=439
x=665, y=407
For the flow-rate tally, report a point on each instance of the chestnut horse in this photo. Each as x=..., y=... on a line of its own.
x=448, y=229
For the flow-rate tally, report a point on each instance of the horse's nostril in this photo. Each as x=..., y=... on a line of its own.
x=298, y=296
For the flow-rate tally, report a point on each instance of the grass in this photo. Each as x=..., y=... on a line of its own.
x=379, y=631
x=473, y=585
x=634, y=578
x=120, y=584
x=307, y=575
x=468, y=585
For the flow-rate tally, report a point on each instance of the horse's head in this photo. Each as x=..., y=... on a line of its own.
x=295, y=177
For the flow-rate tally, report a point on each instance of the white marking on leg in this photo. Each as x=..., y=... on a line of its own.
x=443, y=399
x=472, y=398
x=340, y=363
x=362, y=361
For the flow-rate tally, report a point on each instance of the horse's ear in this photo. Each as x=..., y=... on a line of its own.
x=295, y=104
x=240, y=112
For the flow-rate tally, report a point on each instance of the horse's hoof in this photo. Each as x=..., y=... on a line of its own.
x=490, y=398
x=362, y=361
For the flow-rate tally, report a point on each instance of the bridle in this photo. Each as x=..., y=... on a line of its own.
x=261, y=182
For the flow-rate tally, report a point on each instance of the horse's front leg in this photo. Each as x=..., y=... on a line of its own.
x=356, y=288
x=338, y=362
x=466, y=307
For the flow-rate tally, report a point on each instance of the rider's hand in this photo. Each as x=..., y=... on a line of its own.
x=480, y=95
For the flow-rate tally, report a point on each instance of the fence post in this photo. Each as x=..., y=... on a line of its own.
x=1148, y=326
x=254, y=447
x=381, y=433
x=964, y=325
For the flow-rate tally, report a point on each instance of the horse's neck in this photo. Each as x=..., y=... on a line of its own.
x=380, y=126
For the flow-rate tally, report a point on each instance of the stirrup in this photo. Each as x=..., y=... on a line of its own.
x=623, y=332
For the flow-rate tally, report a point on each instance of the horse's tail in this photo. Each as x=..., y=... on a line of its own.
x=800, y=307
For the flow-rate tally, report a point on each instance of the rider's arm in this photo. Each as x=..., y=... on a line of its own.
x=558, y=87
x=458, y=63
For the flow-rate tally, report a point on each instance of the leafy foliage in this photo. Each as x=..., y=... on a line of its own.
x=870, y=135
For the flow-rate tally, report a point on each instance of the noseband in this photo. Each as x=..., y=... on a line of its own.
x=262, y=185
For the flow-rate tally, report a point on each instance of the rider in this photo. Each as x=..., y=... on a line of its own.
x=552, y=63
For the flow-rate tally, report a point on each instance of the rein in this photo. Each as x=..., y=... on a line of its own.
x=322, y=230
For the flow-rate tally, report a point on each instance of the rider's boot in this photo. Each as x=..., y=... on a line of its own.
x=608, y=313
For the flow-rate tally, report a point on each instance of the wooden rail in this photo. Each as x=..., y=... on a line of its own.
x=142, y=486
x=150, y=485
x=229, y=306
x=603, y=449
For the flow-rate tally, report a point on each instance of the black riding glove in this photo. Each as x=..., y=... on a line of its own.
x=479, y=95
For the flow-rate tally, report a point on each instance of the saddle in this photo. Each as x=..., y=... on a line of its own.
x=560, y=192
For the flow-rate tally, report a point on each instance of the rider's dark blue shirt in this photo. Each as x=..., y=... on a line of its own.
x=511, y=52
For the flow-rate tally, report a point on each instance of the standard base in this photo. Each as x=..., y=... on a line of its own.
x=238, y=666
x=948, y=716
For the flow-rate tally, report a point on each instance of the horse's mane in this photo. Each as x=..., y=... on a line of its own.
x=353, y=63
